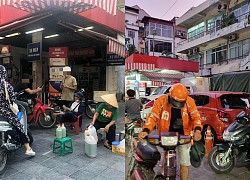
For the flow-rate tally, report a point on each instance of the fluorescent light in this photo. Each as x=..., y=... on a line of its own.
x=11, y=35
x=51, y=36
x=88, y=28
x=35, y=30
x=2, y=37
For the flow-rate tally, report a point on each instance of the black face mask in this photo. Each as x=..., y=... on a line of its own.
x=175, y=104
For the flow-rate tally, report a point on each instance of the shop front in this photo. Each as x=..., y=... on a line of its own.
x=36, y=32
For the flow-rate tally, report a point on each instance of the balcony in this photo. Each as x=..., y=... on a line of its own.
x=222, y=30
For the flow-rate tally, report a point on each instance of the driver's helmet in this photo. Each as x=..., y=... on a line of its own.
x=178, y=95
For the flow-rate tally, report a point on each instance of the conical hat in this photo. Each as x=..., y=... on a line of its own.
x=110, y=99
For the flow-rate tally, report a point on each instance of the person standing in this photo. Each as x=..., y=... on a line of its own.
x=6, y=113
x=68, y=86
x=133, y=106
x=175, y=112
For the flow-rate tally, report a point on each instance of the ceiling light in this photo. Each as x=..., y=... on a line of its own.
x=11, y=35
x=33, y=31
x=1, y=37
x=51, y=36
x=88, y=28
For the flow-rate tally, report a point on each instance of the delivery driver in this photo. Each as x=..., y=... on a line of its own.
x=175, y=112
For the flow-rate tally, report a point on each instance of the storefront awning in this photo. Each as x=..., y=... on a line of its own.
x=165, y=63
x=139, y=66
x=115, y=46
x=74, y=6
x=163, y=77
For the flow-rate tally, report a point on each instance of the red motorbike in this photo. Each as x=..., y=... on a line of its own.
x=41, y=114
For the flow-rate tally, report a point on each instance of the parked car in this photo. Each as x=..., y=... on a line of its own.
x=218, y=109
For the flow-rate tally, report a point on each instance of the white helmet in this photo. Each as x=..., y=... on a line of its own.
x=66, y=69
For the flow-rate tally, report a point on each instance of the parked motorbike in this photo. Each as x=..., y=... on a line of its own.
x=132, y=128
x=91, y=105
x=222, y=157
x=10, y=141
x=41, y=114
x=147, y=162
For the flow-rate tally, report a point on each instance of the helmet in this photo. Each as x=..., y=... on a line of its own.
x=79, y=95
x=66, y=69
x=197, y=153
x=178, y=95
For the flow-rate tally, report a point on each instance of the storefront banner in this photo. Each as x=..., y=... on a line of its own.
x=57, y=61
x=34, y=51
x=58, y=52
x=115, y=60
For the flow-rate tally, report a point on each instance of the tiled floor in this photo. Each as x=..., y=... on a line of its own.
x=76, y=165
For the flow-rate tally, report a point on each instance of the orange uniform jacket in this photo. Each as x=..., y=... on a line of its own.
x=161, y=115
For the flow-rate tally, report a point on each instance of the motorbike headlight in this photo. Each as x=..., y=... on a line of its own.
x=235, y=138
x=226, y=136
x=169, y=140
x=153, y=141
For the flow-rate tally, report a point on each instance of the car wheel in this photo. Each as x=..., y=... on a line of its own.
x=212, y=132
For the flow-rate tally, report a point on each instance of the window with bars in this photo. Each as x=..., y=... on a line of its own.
x=161, y=46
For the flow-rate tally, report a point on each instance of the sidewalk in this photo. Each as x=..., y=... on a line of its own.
x=76, y=165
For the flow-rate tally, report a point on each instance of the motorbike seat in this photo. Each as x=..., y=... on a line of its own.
x=148, y=152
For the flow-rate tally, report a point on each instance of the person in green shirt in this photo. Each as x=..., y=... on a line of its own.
x=105, y=117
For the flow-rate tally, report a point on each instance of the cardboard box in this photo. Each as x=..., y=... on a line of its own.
x=119, y=149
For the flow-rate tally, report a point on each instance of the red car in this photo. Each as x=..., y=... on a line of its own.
x=219, y=108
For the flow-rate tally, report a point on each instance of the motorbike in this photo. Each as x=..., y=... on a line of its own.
x=132, y=128
x=222, y=157
x=148, y=163
x=91, y=105
x=10, y=141
x=41, y=114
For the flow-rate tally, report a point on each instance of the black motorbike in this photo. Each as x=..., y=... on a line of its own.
x=10, y=140
x=147, y=162
x=222, y=157
x=91, y=105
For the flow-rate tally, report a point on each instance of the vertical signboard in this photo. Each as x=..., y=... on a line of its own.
x=34, y=51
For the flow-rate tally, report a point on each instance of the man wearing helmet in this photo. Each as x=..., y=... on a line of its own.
x=175, y=112
x=68, y=85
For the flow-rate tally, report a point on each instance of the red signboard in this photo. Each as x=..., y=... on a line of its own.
x=58, y=52
x=142, y=84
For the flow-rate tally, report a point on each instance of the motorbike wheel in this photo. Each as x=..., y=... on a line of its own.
x=47, y=122
x=215, y=160
x=3, y=161
x=30, y=136
x=90, y=110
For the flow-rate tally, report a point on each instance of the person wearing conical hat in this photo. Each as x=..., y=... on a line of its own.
x=106, y=116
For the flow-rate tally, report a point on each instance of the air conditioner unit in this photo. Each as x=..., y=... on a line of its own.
x=222, y=7
x=232, y=37
x=180, y=34
x=195, y=50
x=190, y=52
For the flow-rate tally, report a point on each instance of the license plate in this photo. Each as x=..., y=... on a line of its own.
x=137, y=130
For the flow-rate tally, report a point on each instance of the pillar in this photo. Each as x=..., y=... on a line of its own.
x=37, y=70
x=111, y=79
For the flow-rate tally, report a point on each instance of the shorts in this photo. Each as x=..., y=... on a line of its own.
x=183, y=154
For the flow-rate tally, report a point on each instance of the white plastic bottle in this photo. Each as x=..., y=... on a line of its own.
x=90, y=146
x=63, y=130
x=59, y=132
x=92, y=132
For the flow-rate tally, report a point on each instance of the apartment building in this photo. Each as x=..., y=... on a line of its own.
x=218, y=38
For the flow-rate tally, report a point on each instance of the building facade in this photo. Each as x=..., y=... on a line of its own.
x=218, y=37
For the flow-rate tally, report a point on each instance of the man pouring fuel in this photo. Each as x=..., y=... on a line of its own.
x=175, y=112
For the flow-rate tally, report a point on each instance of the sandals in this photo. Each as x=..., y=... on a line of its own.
x=108, y=146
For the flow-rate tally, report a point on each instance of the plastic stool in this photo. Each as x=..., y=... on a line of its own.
x=64, y=149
